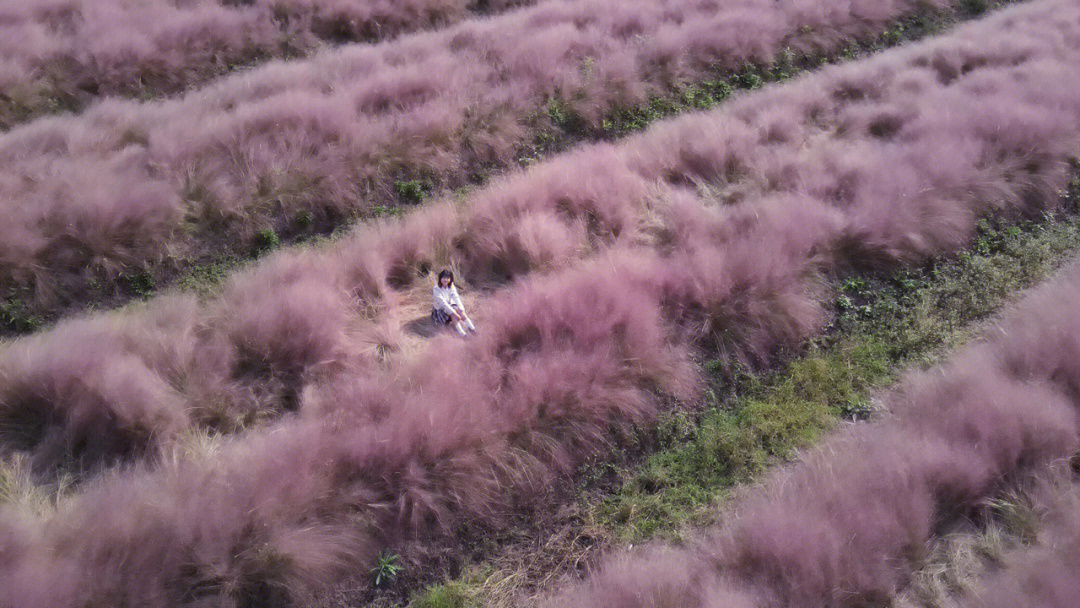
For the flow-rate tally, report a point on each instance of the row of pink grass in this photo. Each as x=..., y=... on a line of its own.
x=75, y=51
x=128, y=187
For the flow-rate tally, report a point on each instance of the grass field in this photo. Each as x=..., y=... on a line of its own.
x=773, y=303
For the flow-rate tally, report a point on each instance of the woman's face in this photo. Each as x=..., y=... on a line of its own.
x=444, y=281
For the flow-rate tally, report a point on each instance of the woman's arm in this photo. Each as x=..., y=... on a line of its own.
x=455, y=299
x=441, y=302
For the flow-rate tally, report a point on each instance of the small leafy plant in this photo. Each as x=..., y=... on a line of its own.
x=413, y=190
x=305, y=218
x=386, y=568
x=383, y=211
x=141, y=284
x=15, y=316
x=748, y=78
x=267, y=239
x=854, y=285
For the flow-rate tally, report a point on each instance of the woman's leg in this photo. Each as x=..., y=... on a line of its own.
x=443, y=318
x=464, y=318
x=457, y=319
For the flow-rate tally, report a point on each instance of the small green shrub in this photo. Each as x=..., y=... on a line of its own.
x=386, y=568
x=15, y=316
x=267, y=239
x=857, y=407
x=305, y=218
x=714, y=366
x=558, y=112
x=851, y=51
x=719, y=89
x=748, y=78
x=893, y=35
x=854, y=285
x=413, y=191
x=384, y=211
x=904, y=282
x=446, y=595
x=141, y=284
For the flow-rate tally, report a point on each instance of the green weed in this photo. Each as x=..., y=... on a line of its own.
x=204, y=279
x=15, y=315
x=384, y=211
x=141, y=284
x=452, y=594
x=412, y=191
x=266, y=240
x=304, y=218
x=386, y=568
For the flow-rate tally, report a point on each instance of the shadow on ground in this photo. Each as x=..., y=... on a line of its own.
x=423, y=327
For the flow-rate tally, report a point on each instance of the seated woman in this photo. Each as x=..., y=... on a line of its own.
x=447, y=306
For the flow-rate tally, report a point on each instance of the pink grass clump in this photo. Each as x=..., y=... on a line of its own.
x=448, y=448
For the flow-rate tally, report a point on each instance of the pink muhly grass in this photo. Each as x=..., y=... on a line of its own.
x=71, y=52
x=589, y=332
x=847, y=525
x=117, y=381
x=739, y=278
x=330, y=135
x=545, y=385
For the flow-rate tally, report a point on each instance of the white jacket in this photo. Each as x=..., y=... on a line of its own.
x=446, y=299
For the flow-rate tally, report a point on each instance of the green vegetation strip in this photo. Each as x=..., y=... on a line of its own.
x=884, y=324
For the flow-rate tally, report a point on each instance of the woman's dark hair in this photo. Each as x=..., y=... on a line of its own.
x=445, y=274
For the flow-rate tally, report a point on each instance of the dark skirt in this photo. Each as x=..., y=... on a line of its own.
x=440, y=317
